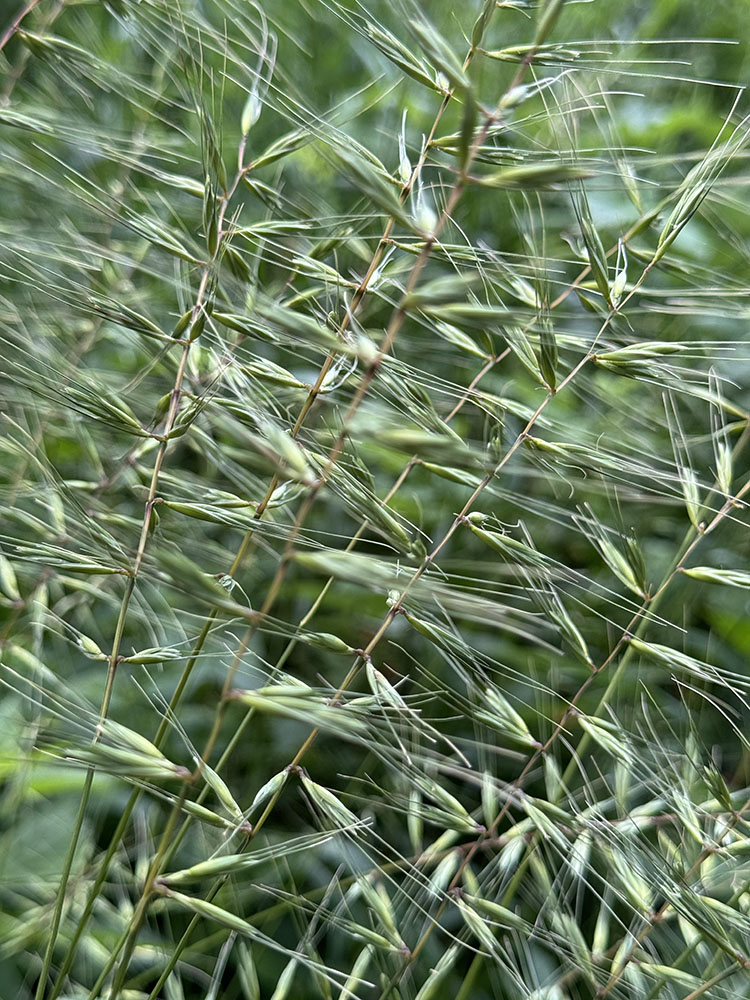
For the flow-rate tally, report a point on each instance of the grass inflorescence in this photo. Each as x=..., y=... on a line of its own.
x=373, y=580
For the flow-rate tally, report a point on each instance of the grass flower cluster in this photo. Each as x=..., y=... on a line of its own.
x=373, y=500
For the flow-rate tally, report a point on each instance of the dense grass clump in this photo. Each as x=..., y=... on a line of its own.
x=373, y=546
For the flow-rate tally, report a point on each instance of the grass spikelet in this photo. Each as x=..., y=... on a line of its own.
x=230, y=864
x=224, y=918
x=606, y=736
x=477, y=925
x=329, y=804
x=293, y=702
x=269, y=790
x=432, y=986
x=496, y=913
x=537, y=176
x=359, y=970
x=498, y=713
x=726, y=577
x=128, y=763
x=221, y=790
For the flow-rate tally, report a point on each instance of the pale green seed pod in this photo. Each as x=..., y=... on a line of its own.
x=271, y=788
x=359, y=970
x=129, y=738
x=180, y=327
x=227, y=864
x=489, y=798
x=153, y=655
x=425, y=216
x=250, y=112
x=212, y=913
x=89, y=647
x=481, y=23
x=247, y=973
x=724, y=472
x=381, y=686
x=477, y=925
x=326, y=640
x=432, y=988
x=285, y=981
x=329, y=804
x=376, y=897
x=269, y=371
x=621, y=275
x=437, y=847
x=221, y=790
x=130, y=764
x=496, y=913
x=580, y=852
x=196, y=327
x=553, y=782
x=443, y=873
x=510, y=856
x=470, y=880
x=602, y=733
x=501, y=715
x=290, y=455
x=414, y=824
x=201, y=513
x=728, y=577
x=202, y=814
x=438, y=635
x=450, y=808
